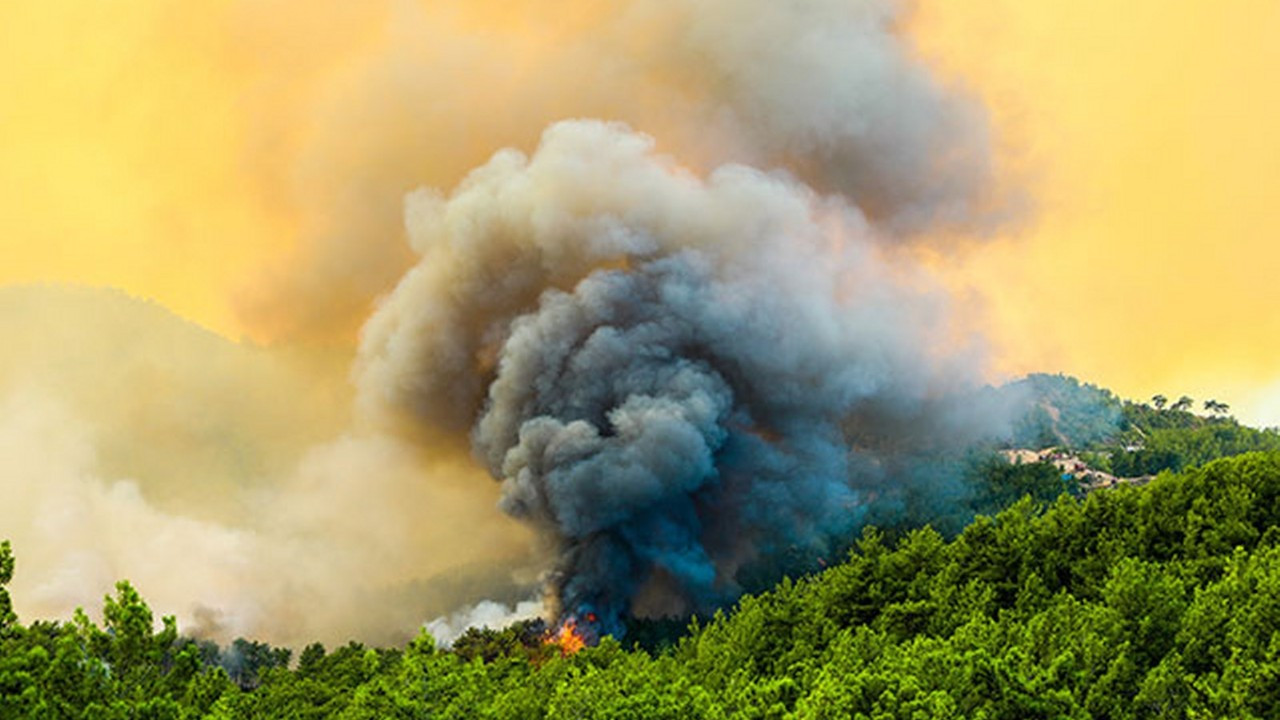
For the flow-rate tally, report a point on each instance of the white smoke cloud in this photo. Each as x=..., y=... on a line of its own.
x=76, y=534
x=218, y=480
x=484, y=614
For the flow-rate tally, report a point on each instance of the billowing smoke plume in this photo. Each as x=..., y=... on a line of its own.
x=667, y=372
x=680, y=371
x=687, y=346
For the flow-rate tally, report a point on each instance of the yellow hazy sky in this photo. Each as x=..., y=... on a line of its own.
x=114, y=162
x=1148, y=131
x=155, y=146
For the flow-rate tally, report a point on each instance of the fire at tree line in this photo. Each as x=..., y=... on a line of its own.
x=1042, y=595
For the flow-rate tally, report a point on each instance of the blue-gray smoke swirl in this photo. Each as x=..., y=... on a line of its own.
x=643, y=420
x=673, y=377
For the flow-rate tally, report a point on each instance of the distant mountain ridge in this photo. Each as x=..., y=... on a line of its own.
x=168, y=403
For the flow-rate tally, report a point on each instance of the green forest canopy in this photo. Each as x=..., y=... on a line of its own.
x=1153, y=601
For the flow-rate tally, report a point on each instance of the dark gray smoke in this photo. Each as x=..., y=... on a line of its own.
x=672, y=376
x=647, y=421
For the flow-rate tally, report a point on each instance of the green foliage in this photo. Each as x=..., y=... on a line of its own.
x=1173, y=441
x=1060, y=410
x=522, y=639
x=997, y=483
x=7, y=618
x=246, y=661
x=1161, y=601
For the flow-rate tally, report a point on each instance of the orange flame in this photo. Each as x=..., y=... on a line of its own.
x=568, y=638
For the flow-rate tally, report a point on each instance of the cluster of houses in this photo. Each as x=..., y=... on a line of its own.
x=1072, y=468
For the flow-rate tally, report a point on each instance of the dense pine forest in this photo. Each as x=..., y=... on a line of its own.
x=1158, y=597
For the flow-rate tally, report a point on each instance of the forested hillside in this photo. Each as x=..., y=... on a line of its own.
x=1122, y=437
x=1153, y=601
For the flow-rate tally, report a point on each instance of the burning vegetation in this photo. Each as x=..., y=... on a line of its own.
x=568, y=637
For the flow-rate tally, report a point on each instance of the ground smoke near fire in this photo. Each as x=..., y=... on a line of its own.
x=667, y=372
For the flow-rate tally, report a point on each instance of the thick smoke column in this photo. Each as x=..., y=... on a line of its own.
x=687, y=368
x=662, y=369
x=644, y=420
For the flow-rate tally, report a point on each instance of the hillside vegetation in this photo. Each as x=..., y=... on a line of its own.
x=1158, y=601
x=1125, y=438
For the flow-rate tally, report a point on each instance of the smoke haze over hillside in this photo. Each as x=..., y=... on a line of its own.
x=224, y=481
x=660, y=282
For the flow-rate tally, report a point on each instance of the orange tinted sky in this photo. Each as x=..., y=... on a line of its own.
x=116, y=138
x=133, y=154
